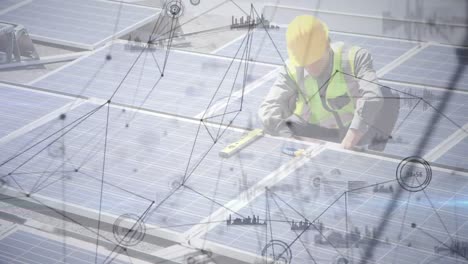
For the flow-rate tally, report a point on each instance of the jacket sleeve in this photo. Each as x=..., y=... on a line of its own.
x=278, y=105
x=370, y=99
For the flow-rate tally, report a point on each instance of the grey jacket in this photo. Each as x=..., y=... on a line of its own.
x=280, y=102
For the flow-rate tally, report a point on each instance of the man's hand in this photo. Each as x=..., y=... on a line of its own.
x=352, y=137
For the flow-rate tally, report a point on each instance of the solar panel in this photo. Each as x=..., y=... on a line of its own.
x=417, y=226
x=21, y=107
x=433, y=66
x=383, y=51
x=181, y=91
x=25, y=247
x=415, y=118
x=456, y=156
x=146, y=162
x=63, y=22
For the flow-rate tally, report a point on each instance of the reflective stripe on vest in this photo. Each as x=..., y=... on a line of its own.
x=341, y=92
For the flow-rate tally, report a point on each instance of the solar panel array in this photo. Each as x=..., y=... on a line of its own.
x=433, y=66
x=25, y=247
x=315, y=192
x=141, y=158
x=383, y=51
x=63, y=22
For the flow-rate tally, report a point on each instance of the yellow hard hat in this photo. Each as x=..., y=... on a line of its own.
x=307, y=40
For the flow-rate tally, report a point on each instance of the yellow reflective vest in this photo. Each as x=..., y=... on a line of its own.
x=336, y=108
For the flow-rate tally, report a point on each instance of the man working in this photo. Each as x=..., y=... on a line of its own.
x=327, y=91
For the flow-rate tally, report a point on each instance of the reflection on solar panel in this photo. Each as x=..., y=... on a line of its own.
x=145, y=163
x=316, y=192
x=383, y=51
x=434, y=65
x=20, y=107
x=25, y=247
x=188, y=85
x=63, y=22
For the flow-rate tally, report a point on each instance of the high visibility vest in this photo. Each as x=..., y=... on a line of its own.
x=336, y=108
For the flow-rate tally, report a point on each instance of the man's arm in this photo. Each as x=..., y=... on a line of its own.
x=370, y=102
x=278, y=105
